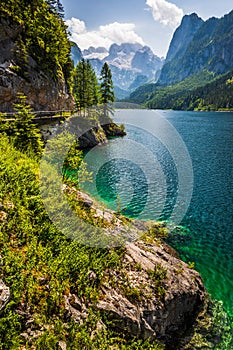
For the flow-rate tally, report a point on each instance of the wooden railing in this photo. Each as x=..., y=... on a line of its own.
x=41, y=114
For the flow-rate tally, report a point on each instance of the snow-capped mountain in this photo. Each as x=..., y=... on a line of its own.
x=132, y=65
x=92, y=53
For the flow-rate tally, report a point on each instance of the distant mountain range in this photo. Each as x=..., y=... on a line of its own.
x=132, y=65
x=199, y=60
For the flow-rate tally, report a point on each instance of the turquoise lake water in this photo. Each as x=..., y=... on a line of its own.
x=176, y=166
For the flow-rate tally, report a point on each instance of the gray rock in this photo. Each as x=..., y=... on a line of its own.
x=62, y=345
x=43, y=93
x=198, y=46
x=3, y=216
x=154, y=295
x=148, y=315
x=75, y=308
x=4, y=295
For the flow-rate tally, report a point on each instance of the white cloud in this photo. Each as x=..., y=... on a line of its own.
x=76, y=26
x=120, y=33
x=165, y=12
x=105, y=35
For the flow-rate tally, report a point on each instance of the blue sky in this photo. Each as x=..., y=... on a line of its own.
x=151, y=22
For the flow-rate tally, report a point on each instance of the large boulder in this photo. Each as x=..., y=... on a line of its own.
x=155, y=295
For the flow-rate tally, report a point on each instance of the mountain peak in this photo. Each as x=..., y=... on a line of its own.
x=132, y=64
x=184, y=34
x=192, y=16
x=125, y=48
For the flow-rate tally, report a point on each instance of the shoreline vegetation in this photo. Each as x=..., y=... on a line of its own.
x=57, y=292
x=63, y=292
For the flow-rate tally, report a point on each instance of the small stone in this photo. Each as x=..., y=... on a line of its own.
x=4, y=295
x=75, y=302
x=3, y=216
x=42, y=281
x=92, y=276
x=85, y=199
x=62, y=345
x=24, y=335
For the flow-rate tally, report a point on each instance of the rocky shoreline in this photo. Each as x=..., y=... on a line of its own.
x=154, y=295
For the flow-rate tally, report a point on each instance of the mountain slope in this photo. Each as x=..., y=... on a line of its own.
x=155, y=94
x=183, y=35
x=217, y=95
x=210, y=48
x=196, y=71
x=76, y=53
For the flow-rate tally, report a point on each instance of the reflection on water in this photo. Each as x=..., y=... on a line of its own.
x=123, y=183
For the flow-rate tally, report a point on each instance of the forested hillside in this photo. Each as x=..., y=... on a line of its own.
x=34, y=54
x=197, y=72
x=217, y=95
x=210, y=49
x=42, y=35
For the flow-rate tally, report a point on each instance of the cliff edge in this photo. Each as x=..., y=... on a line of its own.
x=21, y=73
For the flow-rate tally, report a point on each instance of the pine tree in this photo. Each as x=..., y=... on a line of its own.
x=56, y=7
x=85, y=86
x=25, y=134
x=93, y=83
x=106, y=86
x=60, y=9
x=106, y=90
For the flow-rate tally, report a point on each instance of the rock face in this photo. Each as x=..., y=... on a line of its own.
x=42, y=91
x=142, y=312
x=92, y=138
x=183, y=35
x=198, y=45
x=88, y=132
x=76, y=53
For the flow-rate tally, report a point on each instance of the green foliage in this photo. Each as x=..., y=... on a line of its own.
x=25, y=135
x=85, y=85
x=32, y=250
x=202, y=91
x=212, y=330
x=56, y=7
x=158, y=276
x=106, y=86
x=43, y=36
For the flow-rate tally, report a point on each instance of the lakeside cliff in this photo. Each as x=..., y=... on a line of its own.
x=29, y=62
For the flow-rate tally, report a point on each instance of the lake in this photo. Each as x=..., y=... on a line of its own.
x=175, y=166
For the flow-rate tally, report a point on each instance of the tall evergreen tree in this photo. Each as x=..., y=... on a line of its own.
x=56, y=7
x=94, y=87
x=106, y=86
x=26, y=136
x=106, y=92
x=85, y=85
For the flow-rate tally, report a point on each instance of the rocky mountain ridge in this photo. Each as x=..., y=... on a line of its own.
x=131, y=64
x=198, y=45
